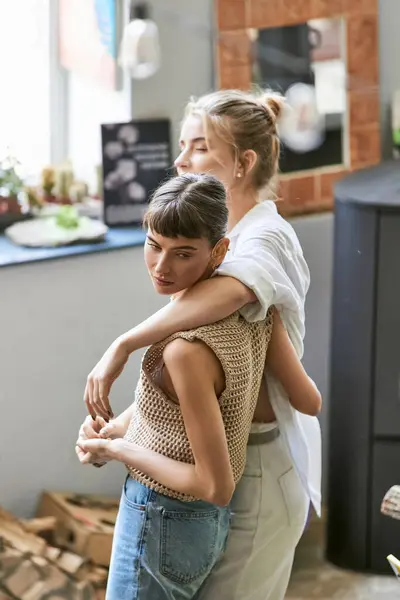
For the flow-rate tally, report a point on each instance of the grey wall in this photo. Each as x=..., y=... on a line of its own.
x=187, y=62
x=56, y=320
x=316, y=237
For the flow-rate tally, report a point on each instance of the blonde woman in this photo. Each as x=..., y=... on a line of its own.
x=233, y=135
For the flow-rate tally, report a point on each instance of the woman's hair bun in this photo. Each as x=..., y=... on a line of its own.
x=274, y=103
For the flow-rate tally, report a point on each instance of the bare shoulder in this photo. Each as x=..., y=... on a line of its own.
x=183, y=352
x=191, y=359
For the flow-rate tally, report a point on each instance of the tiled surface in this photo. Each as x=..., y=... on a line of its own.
x=362, y=50
x=234, y=48
x=322, y=9
x=327, y=181
x=323, y=582
x=365, y=146
x=313, y=578
x=236, y=77
x=309, y=193
x=364, y=7
x=312, y=191
x=363, y=107
x=231, y=14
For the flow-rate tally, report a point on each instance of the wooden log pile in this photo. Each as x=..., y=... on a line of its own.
x=31, y=569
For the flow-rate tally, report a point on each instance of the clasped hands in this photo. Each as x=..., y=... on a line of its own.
x=98, y=441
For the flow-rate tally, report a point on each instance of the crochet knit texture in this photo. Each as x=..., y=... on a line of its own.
x=157, y=422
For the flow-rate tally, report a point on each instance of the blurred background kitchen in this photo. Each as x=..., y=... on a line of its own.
x=88, y=128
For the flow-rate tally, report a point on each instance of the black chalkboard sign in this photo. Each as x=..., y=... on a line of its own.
x=136, y=158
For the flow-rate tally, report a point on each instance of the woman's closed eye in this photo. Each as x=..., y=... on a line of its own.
x=153, y=246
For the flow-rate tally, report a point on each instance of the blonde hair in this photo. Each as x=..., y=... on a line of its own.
x=246, y=121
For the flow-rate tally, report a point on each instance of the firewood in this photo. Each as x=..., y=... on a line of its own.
x=70, y=562
x=40, y=524
x=32, y=570
x=22, y=579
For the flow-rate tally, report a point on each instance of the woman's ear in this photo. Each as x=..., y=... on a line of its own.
x=248, y=161
x=219, y=252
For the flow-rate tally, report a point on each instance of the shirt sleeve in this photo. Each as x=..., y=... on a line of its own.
x=261, y=261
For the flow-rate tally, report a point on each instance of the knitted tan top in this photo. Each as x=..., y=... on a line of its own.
x=157, y=422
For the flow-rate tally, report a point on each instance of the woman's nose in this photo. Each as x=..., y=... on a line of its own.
x=181, y=161
x=162, y=266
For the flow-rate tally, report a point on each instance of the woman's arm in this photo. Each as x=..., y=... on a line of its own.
x=253, y=279
x=284, y=363
x=192, y=368
x=207, y=302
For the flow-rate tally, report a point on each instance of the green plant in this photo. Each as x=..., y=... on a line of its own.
x=67, y=217
x=11, y=183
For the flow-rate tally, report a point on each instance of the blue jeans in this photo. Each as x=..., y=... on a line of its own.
x=163, y=549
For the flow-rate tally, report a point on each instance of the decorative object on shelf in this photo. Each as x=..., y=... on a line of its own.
x=47, y=184
x=78, y=191
x=58, y=187
x=136, y=158
x=89, y=207
x=140, y=52
x=13, y=199
x=64, y=178
x=64, y=228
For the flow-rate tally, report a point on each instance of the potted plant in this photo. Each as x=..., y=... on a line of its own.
x=11, y=193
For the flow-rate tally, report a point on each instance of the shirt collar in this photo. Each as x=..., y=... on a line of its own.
x=259, y=212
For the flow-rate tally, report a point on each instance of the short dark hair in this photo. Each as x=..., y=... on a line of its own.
x=191, y=205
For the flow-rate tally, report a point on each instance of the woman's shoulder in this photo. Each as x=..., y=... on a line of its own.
x=186, y=355
x=269, y=225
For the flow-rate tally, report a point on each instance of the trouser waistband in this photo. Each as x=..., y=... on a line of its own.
x=263, y=437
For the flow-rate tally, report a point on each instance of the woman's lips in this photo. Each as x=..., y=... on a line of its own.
x=162, y=282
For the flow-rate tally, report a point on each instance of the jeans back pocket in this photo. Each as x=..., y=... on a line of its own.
x=189, y=544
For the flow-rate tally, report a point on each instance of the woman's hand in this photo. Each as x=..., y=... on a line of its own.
x=97, y=450
x=100, y=380
x=90, y=429
x=99, y=429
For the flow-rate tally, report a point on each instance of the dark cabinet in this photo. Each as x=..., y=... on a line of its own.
x=364, y=407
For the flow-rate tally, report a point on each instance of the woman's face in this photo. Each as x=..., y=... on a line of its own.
x=175, y=264
x=201, y=154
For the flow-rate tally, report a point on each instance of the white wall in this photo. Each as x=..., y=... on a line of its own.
x=89, y=107
x=187, y=61
x=56, y=320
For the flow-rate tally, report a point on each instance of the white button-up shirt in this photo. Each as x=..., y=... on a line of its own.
x=265, y=254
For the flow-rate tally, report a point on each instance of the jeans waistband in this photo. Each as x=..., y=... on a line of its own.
x=264, y=437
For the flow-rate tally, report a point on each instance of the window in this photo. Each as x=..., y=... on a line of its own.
x=31, y=82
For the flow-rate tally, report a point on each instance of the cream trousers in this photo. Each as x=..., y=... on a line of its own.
x=269, y=513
